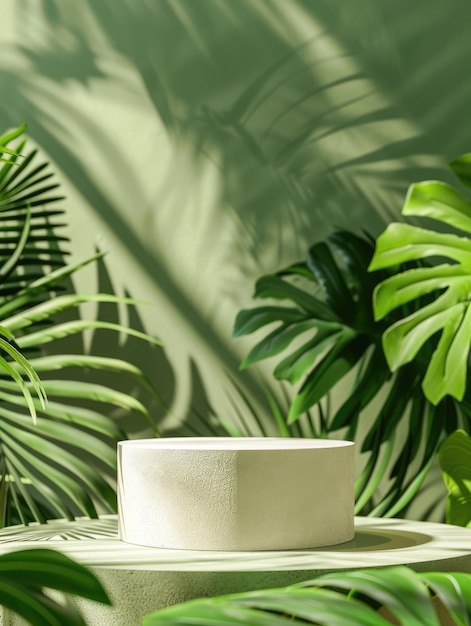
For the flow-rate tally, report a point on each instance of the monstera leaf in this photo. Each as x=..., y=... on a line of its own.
x=446, y=286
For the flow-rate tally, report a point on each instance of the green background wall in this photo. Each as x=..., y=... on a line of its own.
x=206, y=142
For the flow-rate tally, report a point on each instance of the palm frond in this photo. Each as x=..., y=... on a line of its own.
x=350, y=598
x=43, y=473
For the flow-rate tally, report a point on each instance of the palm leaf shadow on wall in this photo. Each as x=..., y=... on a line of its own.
x=313, y=114
x=276, y=118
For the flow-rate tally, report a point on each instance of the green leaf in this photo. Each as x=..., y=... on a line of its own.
x=37, y=608
x=24, y=574
x=13, y=134
x=332, y=368
x=67, y=436
x=58, y=362
x=11, y=262
x=231, y=429
x=91, y=391
x=21, y=386
x=35, y=465
x=446, y=373
x=462, y=168
x=43, y=284
x=455, y=462
x=78, y=415
x=278, y=415
x=356, y=254
x=439, y=201
x=401, y=243
x=28, y=178
x=374, y=377
x=397, y=588
x=329, y=277
x=447, y=314
x=47, y=568
x=25, y=367
x=278, y=607
x=73, y=389
x=321, y=605
x=6, y=168
x=58, y=331
x=45, y=310
x=250, y=320
x=210, y=615
x=18, y=475
x=398, y=498
x=403, y=340
x=5, y=332
x=392, y=410
x=374, y=472
x=341, y=598
x=8, y=174
x=277, y=341
x=106, y=364
x=355, y=251
x=397, y=290
x=297, y=269
x=398, y=495
x=454, y=591
x=416, y=423
x=275, y=287
x=302, y=360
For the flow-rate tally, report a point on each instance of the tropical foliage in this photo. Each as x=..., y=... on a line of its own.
x=309, y=124
x=336, y=331
x=64, y=463
x=7, y=346
x=455, y=461
x=328, y=317
x=25, y=574
x=448, y=284
x=346, y=599
x=331, y=318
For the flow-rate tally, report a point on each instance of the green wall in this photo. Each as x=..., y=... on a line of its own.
x=206, y=142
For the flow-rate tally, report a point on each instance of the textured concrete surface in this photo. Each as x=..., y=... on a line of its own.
x=236, y=493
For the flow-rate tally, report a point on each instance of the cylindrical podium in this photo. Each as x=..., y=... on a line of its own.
x=234, y=493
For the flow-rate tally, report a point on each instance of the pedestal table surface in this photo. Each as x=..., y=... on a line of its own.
x=141, y=579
